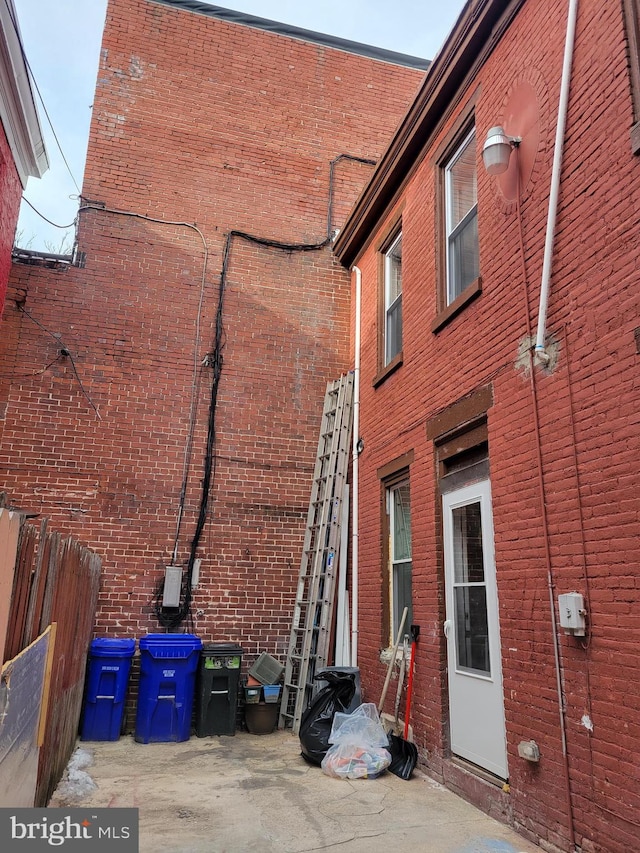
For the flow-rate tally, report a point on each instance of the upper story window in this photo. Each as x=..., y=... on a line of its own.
x=393, y=299
x=632, y=19
x=461, y=219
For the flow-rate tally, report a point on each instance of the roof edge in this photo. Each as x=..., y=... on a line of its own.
x=17, y=106
x=233, y=17
x=478, y=29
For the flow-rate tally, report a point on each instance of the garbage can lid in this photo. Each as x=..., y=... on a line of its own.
x=222, y=648
x=170, y=638
x=170, y=645
x=113, y=647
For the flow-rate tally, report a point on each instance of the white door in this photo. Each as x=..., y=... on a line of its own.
x=476, y=702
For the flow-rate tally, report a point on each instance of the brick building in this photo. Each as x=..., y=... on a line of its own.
x=22, y=150
x=188, y=352
x=224, y=151
x=500, y=427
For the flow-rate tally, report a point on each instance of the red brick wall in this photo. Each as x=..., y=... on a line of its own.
x=197, y=121
x=591, y=395
x=10, y=194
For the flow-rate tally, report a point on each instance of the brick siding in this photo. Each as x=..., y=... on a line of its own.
x=591, y=497
x=204, y=122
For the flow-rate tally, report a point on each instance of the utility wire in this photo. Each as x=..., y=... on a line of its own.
x=42, y=370
x=55, y=225
x=64, y=351
x=195, y=378
x=56, y=338
x=82, y=388
x=174, y=617
x=364, y=160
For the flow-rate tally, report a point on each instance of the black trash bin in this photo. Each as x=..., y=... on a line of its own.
x=217, y=689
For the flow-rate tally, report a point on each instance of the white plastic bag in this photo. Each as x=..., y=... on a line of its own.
x=357, y=745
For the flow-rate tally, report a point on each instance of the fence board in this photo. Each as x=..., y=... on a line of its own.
x=50, y=583
x=20, y=594
x=36, y=593
x=56, y=579
x=9, y=536
x=73, y=598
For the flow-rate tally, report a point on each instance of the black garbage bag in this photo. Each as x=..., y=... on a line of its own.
x=316, y=721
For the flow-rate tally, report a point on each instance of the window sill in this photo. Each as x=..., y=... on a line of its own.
x=460, y=302
x=387, y=370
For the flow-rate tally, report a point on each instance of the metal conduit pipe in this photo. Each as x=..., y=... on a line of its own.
x=540, y=351
x=355, y=471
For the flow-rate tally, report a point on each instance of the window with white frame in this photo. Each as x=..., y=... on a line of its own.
x=461, y=218
x=399, y=517
x=393, y=299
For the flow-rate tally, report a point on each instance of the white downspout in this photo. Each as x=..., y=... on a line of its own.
x=355, y=472
x=572, y=15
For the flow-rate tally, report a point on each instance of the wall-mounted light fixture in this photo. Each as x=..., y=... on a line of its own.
x=497, y=149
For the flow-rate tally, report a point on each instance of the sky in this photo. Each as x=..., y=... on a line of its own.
x=62, y=40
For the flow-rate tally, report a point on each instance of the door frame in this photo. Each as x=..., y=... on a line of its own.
x=483, y=745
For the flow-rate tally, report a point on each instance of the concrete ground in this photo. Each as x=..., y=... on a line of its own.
x=256, y=793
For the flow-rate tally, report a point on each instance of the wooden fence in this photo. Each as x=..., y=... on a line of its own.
x=56, y=580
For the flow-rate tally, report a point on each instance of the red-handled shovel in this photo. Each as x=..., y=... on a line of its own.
x=415, y=633
x=404, y=754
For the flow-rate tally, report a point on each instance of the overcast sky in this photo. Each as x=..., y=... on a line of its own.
x=62, y=43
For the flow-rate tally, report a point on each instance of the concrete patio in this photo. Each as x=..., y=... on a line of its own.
x=256, y=793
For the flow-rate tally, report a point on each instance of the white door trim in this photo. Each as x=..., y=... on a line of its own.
x=476, y=700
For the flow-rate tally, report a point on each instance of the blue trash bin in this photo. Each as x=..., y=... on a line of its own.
x=108, y=676
x=168, y=665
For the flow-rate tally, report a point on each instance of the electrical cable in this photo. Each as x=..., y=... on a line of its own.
x=167, y=617
x=42, y=216
x=56, y=338
x=42, y=370
x=195, y=380
x=64, y=352
x=174, y=617
x=82, y=388
x=364, y=160
x=544, y=517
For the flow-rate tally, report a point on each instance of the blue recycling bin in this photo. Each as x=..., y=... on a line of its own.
x=168, y=666
x=108, y=676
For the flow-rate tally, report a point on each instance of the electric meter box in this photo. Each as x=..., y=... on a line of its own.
x=572, y=613
x=172, y=586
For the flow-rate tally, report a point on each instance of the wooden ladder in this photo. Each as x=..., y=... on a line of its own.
x=310, y=638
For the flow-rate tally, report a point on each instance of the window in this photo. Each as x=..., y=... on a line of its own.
x=469, y=590
x=393, y=299
x=396, y=551
x=461, y=219
x=399, y=520
x=389, y=326
x=632, y=18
